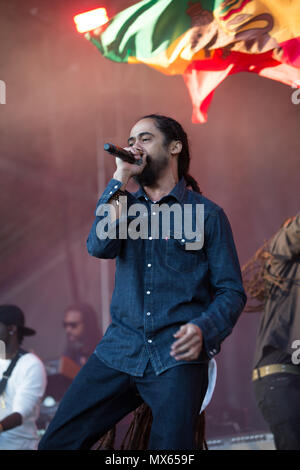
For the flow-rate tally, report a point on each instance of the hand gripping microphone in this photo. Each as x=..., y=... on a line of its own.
x=121, y=153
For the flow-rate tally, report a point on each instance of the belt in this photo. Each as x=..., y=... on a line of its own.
x=274, y=369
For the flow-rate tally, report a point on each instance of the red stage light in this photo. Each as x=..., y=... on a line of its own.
x=91, y=20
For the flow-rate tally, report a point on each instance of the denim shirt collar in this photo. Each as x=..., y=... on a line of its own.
x=177, y=192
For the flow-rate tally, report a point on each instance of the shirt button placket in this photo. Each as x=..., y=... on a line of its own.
x=148, y=304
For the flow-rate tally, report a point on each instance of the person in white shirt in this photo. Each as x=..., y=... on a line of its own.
x=25, y=386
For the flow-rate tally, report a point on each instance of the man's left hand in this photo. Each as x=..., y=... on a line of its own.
x=189, y=344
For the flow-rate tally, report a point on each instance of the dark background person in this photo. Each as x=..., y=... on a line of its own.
x=82, y=335
x=82, y=332
x=272, y=277
x=20, y=400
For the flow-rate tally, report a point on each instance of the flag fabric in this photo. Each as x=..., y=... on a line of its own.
x=207, y=40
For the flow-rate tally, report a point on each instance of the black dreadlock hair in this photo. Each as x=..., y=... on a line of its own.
x=172, y=130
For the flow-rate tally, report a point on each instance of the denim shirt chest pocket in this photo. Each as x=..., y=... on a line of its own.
x=180, y=257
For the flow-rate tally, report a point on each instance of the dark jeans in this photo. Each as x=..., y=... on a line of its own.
x=100, y=396
x=278, y=397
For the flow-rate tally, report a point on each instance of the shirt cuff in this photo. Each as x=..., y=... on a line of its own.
x=211, y=336
x=110, y=190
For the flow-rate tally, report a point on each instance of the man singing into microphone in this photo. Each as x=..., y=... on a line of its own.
x=173, y=302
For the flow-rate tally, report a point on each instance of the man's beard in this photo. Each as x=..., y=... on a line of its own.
x=152, y=170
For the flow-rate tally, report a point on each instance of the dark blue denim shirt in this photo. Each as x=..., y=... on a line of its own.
x=159, y=286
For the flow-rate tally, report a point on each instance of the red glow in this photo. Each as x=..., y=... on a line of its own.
x=91, y=20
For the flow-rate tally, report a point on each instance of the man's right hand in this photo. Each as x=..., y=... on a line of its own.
x=126, y=170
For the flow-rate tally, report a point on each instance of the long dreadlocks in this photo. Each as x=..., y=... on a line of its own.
x=258, y=278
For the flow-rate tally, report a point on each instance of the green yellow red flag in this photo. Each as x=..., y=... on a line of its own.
x=207, y=40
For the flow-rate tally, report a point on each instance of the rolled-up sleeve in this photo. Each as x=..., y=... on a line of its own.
x=228, y=296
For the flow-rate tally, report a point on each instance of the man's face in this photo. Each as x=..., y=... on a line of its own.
x=73, y=325
x=146, y=137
